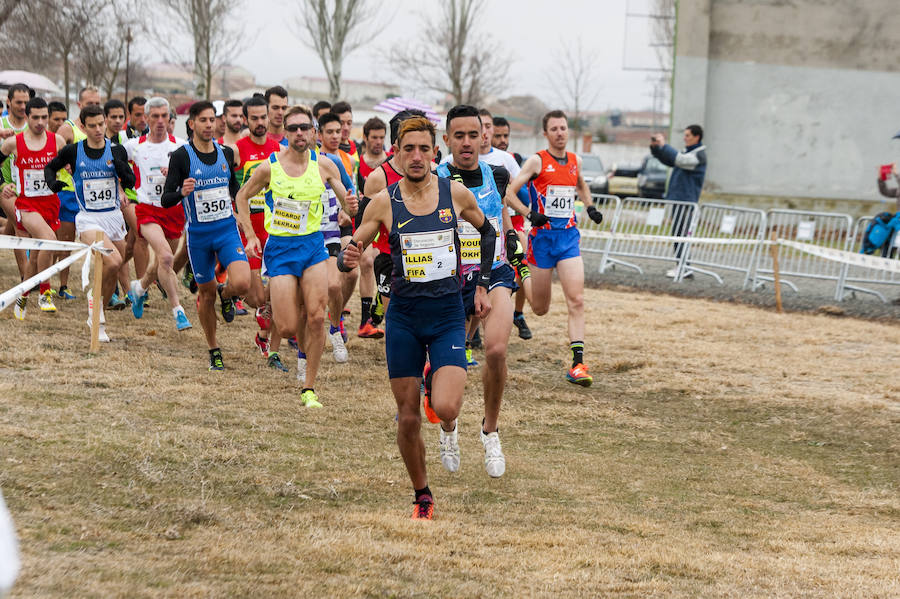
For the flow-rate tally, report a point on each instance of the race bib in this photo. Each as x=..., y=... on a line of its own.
x=560, y=201
x=212, y=204
x=428, y=256
x=99, y=194
x=155, y=184
x=35, y=184
x=470, y=242
x=329, y=208
x=289, y=216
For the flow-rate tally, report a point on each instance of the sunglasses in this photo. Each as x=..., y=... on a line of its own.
x=301, y=126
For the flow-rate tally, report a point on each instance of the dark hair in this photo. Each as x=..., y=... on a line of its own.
x=137, y=100
x=341, y=107
x=110, y=104
x=232, y=104
x=399, y=118
x=695, y=130
x=328, y=117
x=485, y=112
x=254, y=101
x=19, y=87
x=88, y=112
x=198, y=107
x=553, y=114
x=276, y=90
x=320, y=105
x=461, y=111
x=57, y=107
x=35, y=103
x=500, y=121
x=373, y=124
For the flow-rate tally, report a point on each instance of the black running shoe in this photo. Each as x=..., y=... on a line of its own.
x=524, y=331
x=227, y=305
x=216, y=363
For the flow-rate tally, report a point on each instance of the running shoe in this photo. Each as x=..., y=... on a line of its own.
x=344, y=336
x=475, y=341
x=449, y=446
x=338, y=348
x=216, y=363
x=494, y=460
x=309, y=399
x=137, y=302
x=524, y=331
x=227, y=305
x=293, y=343
x=101, y=333
x=116, y=302
x=21, y=307
x=45, y=302
x=221, y=274
x=301, y=369
x=369, y=331
x=470, y=361
x=181, y=321
x=264, y=317
x=187, y=279
x=275, y=363
x=424, y=508
x=64, y=293
x=162, y=291
x=378, y=309
x=262, y=344
x=579, y=375
x=239, y=309
x=426, y=384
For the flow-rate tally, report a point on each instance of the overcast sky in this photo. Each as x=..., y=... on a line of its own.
x=529, y=30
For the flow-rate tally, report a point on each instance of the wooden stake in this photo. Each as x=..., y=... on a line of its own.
x=97, y=293
x=775, y=272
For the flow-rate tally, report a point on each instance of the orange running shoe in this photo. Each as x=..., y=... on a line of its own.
x=370, y=331
x=424, y=508
x=579, y=375
x=426, y=381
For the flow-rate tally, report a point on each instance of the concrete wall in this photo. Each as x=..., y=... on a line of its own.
x=798, y=99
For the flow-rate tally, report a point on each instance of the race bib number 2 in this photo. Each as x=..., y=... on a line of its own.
x=212, y=204
x=99, y=194
x=560, y=201
x=428, y=256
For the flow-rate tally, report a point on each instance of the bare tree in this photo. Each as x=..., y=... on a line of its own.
x=334, y=29
x=452, y=55
x=575, y=82
x=208, y=23
x=8, y=10
x=101, y=51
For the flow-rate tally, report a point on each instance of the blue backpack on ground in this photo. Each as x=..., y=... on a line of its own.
x=880, y=232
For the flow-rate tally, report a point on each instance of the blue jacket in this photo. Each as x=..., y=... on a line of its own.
x=688, y=170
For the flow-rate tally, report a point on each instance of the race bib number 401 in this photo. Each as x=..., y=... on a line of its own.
x=560, y=201
x=99, y=194
x=428, y=256
x=212, y=204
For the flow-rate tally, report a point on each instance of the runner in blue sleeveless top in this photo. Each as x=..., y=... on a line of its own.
x=201, y=178
x=488, y=184
x=426, y=312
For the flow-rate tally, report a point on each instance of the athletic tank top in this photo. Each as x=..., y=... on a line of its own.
x=330, y=228
x=294, y=204
x=490, y=202
x=424, y=249
x=555, y=188
x=208, y=207
x=29, y=167
x=95, y=180
x=63, y=175
x=381, y=242
x=148, y=159
x=9, y=174
x=252, y=154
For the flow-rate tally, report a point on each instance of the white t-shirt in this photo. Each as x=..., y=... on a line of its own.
x=149, y=159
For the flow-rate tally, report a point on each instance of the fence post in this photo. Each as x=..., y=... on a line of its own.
x=776, y=275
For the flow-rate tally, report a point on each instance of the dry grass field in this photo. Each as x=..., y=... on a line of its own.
x=723, y=451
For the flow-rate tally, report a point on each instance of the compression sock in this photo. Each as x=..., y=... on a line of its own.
x=366, y=303
x=577, y=348
x=422, y=492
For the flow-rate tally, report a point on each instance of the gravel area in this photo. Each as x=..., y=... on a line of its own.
x=813, y=296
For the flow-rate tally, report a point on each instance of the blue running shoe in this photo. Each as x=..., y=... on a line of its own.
x=137, y=300
x=64, y=293
x=181, y=321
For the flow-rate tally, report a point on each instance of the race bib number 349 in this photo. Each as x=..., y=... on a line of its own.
x=99, y=194
x=212, y=204
x=560, y=201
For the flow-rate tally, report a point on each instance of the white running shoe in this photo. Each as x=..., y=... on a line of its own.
x=101, y=335
x=338, y=347
x=494, y=461
x=45, y=302
x=91, y=308
x=672, y=272
x=449, y=444
x=21, y=307
x=301, y=370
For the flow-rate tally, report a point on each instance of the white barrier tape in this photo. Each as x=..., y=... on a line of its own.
x=7, y=298
x=670, y=239
x=863, y=260
x=9, y=242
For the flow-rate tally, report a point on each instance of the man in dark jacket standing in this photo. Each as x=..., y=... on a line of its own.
x=686, y=180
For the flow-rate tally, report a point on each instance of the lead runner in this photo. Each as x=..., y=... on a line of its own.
x=426, y=315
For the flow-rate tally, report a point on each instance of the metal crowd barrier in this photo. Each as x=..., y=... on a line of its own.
x=610, y=207
x=854, y=276
x=726, y=222
x=824, y=229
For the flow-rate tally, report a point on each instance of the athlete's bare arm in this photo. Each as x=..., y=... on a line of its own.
x=331, y=176
x=8, y=147
x=376, y=182
x=465, y=205
x=60, y=142
x=531, y=168
x=377, y=213
x=258, y=181
x=584, y=192
x=66, y=131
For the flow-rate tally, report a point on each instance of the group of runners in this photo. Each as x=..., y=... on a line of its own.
x=259, y=206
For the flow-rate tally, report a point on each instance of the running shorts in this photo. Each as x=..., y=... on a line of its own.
x=384, y=268
x=258, y=220
x=417, y=326
x=502, y=276
x=547, y=247
x=48, y=209
x=518, y=222
x=111, y=222
x=204, y=249
x=170, y=219
x=68, y=206
x=292, y=255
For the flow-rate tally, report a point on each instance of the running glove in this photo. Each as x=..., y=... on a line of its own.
x=595, y=214
x=537, y=219
x=512, y=242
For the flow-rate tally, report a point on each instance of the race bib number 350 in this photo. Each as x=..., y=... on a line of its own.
x=212, y=204
x=560, y=201
x=289, y=216
x=428, y=256
x=470, y=242
x=35, y=184
x=99, y=194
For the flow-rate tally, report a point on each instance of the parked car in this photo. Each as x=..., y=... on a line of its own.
x=622, y=180
x=652, y=179
x=594, y=174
